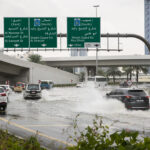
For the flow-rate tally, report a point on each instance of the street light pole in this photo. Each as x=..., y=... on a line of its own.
x=96, y=6
x=96, y=59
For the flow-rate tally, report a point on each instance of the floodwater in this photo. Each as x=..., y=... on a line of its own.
x=58, y=107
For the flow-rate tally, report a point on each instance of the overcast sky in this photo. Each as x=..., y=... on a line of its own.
x=117, y=16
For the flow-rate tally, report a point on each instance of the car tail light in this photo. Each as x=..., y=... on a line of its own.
x=3, y=94
x=128, y=96
x=3, y=103
x=129, y=107
x=147, y=96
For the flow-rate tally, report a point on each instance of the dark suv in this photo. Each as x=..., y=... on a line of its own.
x=132, y=98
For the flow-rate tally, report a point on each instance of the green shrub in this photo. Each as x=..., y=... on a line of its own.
x=64, y=85
x=98, y=137
x=10, y=142
x=32, y=144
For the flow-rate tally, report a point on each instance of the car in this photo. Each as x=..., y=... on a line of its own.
x=18, y=87
x=21, y=84
x=7, y=88
x=124, y=84
x=80, y=84
x=32, y=91
x=132, y=98
x=3, y=99
x=46, y=84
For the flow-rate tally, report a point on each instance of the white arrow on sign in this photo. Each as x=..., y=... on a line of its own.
x=70, y=45
x=44, y=45
x=16, y=45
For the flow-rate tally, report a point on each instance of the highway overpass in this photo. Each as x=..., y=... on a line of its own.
x=14, y=70
x=85, y=61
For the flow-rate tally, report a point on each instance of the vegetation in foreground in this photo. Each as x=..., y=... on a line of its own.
x=10, y=142
x=95, y=137
x=98, y=137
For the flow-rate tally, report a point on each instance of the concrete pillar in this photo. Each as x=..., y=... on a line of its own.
x=31, y=75
x=92, y=71
x=86, y=73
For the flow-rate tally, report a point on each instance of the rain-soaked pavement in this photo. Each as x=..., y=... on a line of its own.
x=59, y=106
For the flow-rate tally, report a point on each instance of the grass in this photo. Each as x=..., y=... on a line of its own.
x=10, y=142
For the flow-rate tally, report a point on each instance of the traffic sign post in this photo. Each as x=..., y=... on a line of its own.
x=43, y=32
x=30, y=32
x=83, y=32
x=16, y=33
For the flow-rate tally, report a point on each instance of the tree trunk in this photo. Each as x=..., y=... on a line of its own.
x=137, y=76
x=114, y=79
x=127, y=76
x=131, y=75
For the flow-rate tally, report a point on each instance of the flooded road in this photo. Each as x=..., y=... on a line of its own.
x=59, y=106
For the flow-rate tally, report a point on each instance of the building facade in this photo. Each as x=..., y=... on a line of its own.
x=147, y=23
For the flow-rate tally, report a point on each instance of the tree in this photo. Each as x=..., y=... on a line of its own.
x=128, y=71
x=35, y=58
x=139, y=69
x=82, y=76
x=113, y=71
x=101, y=72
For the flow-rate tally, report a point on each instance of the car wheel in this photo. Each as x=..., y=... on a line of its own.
x=2, y=108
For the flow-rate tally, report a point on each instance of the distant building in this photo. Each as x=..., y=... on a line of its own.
x=78, y=52
x=147, y=23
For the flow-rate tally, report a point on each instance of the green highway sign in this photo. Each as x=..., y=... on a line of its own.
x=83, y=32
x=30, y=32
x=16, y=33
x=43, y=32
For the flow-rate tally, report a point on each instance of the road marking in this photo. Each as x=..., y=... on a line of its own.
x=50, y=125
x=35, y=132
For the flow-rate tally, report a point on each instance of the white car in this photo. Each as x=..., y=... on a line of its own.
x=3, y=99
x=7, y=88
x=80, y=84
x=32, y=91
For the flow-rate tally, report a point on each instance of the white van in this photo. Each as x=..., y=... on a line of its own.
x=100, y=81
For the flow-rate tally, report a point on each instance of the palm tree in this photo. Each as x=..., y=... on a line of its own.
x=35, y=58
x=139, y=69
x=101, y=72
x=128, y=72
x=113, y=71
x=82, y=76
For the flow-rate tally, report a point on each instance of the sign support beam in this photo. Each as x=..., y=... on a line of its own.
x=103, y=35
